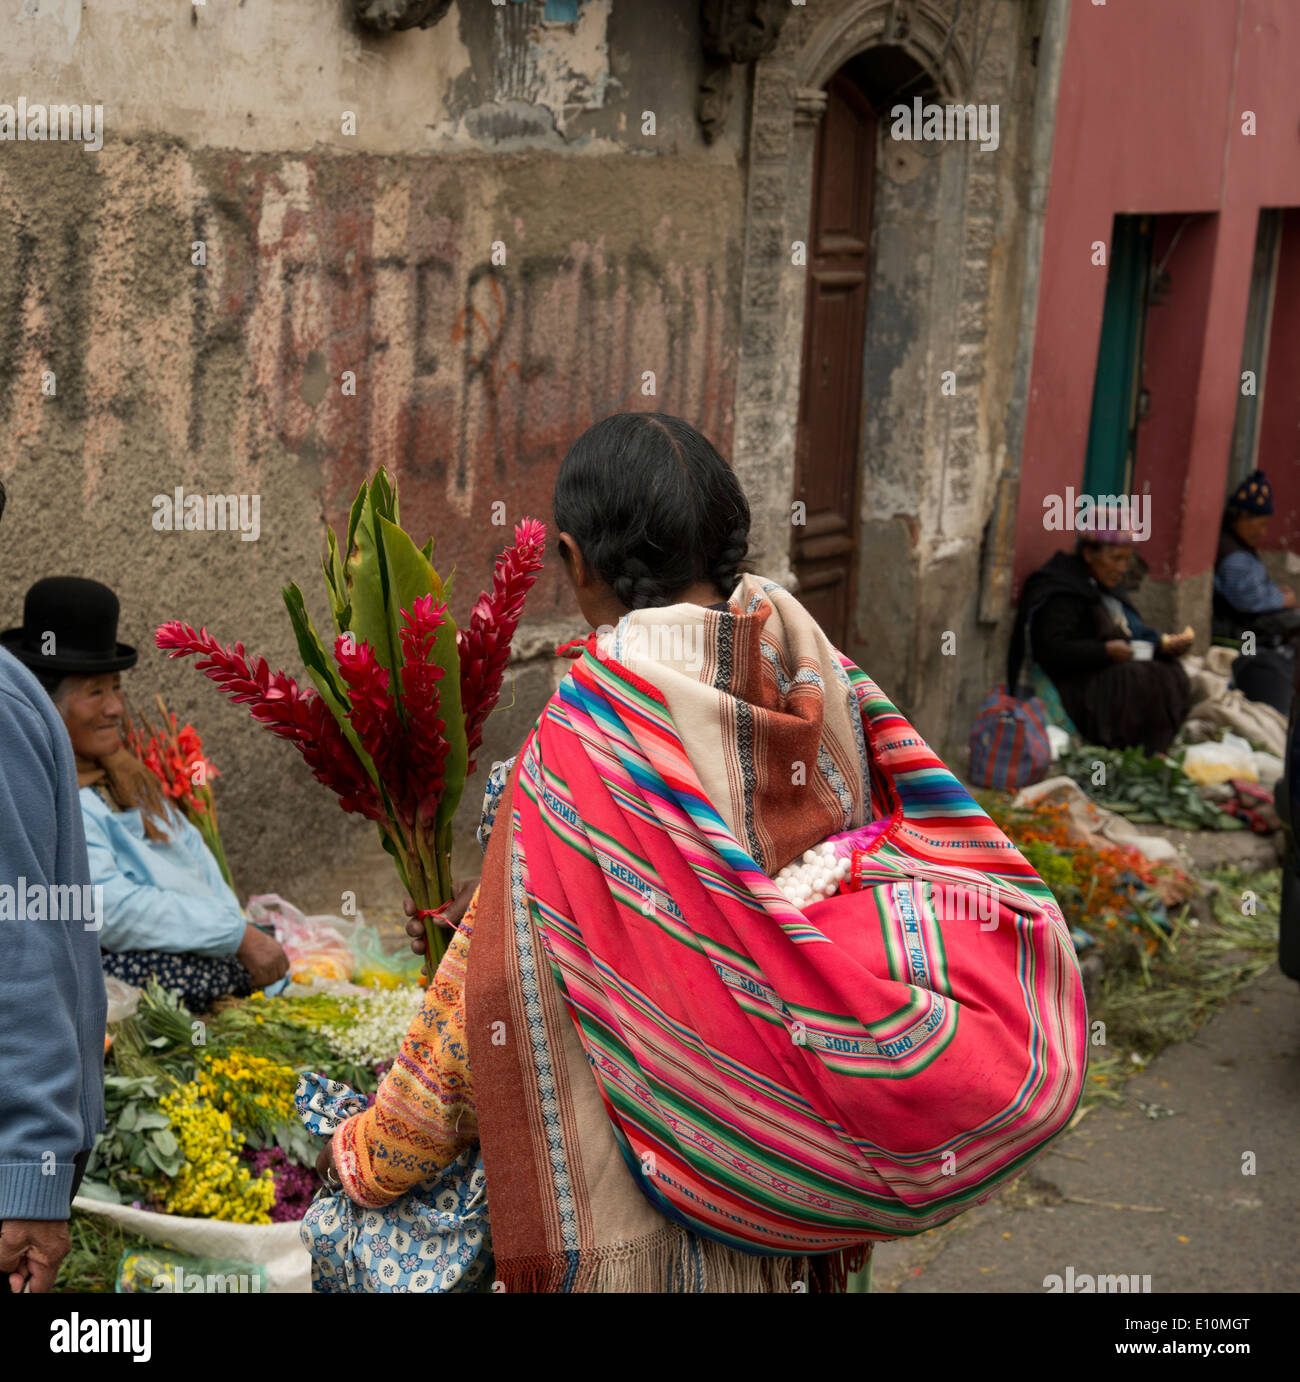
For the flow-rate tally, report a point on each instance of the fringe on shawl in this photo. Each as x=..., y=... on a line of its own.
x=673, y=1260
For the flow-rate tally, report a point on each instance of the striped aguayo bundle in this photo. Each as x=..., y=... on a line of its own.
x=783, y=1087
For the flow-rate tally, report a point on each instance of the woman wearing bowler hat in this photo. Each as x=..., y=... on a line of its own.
x=167, y=911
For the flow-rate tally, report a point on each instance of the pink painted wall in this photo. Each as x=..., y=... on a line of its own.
x=1175, y=336
x=1279, y=427
x=1149, y=120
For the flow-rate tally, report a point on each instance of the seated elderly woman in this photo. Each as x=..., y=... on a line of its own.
x=1246, y=600
x=1119, y=680
x=167, y=911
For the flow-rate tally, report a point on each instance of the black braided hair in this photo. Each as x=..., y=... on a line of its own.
x=653, y=507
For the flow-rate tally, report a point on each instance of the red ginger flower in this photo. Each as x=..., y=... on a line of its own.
x=373, y=714
x=485, y=645
x=279, y=703
x=426, y=746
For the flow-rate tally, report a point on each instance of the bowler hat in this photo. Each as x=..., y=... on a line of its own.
x=76, y=621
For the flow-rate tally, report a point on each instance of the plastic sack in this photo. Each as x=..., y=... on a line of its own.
x=376, y=969
x=1210, y=763
x=162, y=1271
x=1269, y=768
x=316, y=946
x=276, y=1248
x=123, y=998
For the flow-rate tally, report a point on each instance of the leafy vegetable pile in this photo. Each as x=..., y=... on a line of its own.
x=1149, y=791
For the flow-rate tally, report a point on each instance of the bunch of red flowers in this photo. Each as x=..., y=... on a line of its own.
x=276, y=701
x=174, y=755
x=381, y=730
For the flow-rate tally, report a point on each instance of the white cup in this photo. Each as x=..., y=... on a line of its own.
x=1143, y=651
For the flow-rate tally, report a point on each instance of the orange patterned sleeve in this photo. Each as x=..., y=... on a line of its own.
x=423, y=1116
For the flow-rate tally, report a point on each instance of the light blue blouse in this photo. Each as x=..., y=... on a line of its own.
x=158, y=896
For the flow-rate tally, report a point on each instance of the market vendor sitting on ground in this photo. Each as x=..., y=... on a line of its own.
x=1119, y=680
x=1246, y=600
x=167, y=911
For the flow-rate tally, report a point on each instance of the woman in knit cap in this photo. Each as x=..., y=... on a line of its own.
x=1246, y=601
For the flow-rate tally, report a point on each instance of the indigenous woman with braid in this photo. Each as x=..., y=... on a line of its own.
x=749, y=982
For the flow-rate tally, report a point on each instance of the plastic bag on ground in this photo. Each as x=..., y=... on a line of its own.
x=1210, y=763
x=123, y=998
x=316, y=946
x=167, y=1272
x=376, y=969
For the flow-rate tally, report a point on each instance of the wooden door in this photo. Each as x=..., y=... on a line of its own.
x=830, y=397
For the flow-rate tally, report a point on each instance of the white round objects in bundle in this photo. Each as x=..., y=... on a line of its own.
x=816, y=876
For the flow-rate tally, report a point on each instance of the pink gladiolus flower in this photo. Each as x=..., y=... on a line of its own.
x=485, y=644
x=284, y=708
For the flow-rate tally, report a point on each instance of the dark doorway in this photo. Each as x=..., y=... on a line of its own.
x=827, y=451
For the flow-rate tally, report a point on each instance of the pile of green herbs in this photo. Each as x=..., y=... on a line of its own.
x=1147, y=790
x=97, y=1248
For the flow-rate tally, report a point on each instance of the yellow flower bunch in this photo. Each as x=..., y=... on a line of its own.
x=254, y=1091
x=213, y=1183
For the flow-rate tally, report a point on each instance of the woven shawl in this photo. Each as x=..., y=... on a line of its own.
x=683, y=1081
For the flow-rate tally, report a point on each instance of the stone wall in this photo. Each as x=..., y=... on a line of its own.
x=234, y=296
x=305, y=251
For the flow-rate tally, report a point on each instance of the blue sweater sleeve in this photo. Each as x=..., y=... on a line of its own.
x=140, y=916
x=45, y=1068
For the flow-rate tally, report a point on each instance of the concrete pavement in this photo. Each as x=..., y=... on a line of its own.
x=1155, y=1186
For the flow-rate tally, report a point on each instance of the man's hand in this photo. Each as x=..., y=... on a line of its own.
x=262, y=957
x=31, y=1250
x=1119, y=650
x=1288, y=597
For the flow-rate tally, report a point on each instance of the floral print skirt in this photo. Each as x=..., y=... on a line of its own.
x=435, y=1239
x=200, y=979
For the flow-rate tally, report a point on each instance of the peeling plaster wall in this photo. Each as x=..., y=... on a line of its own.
x=262, y=77
x=328, y=253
